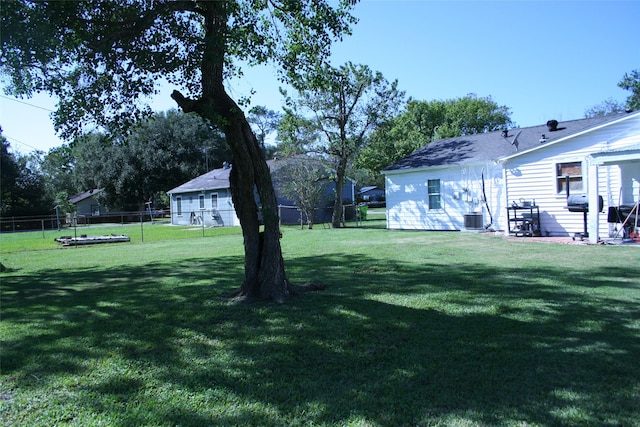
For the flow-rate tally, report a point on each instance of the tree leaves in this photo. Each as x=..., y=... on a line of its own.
x=423, y=122
x=102, y=58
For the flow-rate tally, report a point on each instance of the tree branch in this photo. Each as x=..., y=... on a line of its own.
x=134, y=27
x=186, y=104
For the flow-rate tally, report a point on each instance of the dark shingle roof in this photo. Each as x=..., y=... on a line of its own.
x=84, y=195
x=493, y=145
x=215, y=179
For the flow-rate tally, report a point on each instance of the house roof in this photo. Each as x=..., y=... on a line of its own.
x=215, y=179
x=367, y=189
x=219, y=178
x=494, y=145
x=84, y=195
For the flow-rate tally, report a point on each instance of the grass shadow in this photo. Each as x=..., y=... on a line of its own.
x=389, y=343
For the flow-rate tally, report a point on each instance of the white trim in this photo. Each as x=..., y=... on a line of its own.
x=614, y=156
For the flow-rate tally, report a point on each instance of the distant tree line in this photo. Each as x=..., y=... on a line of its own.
x=377, y=128
x=133, y=168
x=631, y=82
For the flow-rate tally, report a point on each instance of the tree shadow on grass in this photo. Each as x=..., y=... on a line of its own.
x=388, y=343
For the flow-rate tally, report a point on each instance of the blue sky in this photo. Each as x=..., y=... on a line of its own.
x=542, y=59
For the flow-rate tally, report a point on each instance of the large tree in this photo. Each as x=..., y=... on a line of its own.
x=334, y=112
x=424, y=121
x=606, y=107
x=304, y=180
x=631, y=81
x=100, y=57
x=9, y=173
x=22, y=185
x=156, y=155
x=264, y=122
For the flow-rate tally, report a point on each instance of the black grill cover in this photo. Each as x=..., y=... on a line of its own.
x=580, y=203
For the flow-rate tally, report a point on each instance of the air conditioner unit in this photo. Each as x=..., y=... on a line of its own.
x=473, y=221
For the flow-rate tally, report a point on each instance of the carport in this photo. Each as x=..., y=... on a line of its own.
x=628, y=160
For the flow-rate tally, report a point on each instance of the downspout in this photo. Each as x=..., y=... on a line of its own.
x=506, y=189
x=486, y=202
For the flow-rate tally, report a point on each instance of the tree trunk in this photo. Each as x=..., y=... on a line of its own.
x=263, y=263
x=341, y=171
x=264, y=266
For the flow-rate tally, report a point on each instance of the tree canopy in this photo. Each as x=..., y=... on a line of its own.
x=631, y=81
x=333, y=114
x=157, y=154
x=22, y=184
x=304, y=180
x=264, y=122
x=424, y=121
x=102, y=58
x=608, y=106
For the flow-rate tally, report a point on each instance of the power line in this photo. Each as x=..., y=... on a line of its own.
x=20, y=142
x=26, y=103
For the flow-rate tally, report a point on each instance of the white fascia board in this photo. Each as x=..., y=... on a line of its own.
x=195, y=190
x=615, y=156
x=424, y=168
x=437, y=168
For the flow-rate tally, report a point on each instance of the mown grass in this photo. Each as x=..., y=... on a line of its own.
x=414, y=329
x=145, y=232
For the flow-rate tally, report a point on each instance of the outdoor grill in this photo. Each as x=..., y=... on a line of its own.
x=627, y=215
x=580, y=203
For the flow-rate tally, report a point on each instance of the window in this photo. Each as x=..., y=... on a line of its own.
x=201, y=199
x=214, y=201
x=433, y=188
x=573, y=170
x=179, y=206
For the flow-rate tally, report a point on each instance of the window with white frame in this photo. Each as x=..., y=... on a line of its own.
x=179, y=206
x=214, y=201
x=201, y=200
x=572, y=170
x=433, y=189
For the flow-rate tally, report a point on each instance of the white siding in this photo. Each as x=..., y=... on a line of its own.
x=461, y=190
x=532, y=176
x=223, y=216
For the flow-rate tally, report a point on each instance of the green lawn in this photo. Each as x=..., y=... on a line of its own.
x=414, y=329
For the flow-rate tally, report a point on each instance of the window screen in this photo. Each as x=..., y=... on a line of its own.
x=433, y=188
x=573, y=170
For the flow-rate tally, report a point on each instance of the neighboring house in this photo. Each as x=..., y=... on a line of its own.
x=470, y=181
x=86, y=203
x=371, y=195
x=207, y=199
x=290, y=214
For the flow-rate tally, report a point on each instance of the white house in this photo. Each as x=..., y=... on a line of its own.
x=472, y=181
x=206, y=200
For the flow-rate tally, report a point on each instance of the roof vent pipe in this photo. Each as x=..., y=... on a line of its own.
x=552, y=125
x=505, y=133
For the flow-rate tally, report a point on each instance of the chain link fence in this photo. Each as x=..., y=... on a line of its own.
x=58, y=222
x=208, y=218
